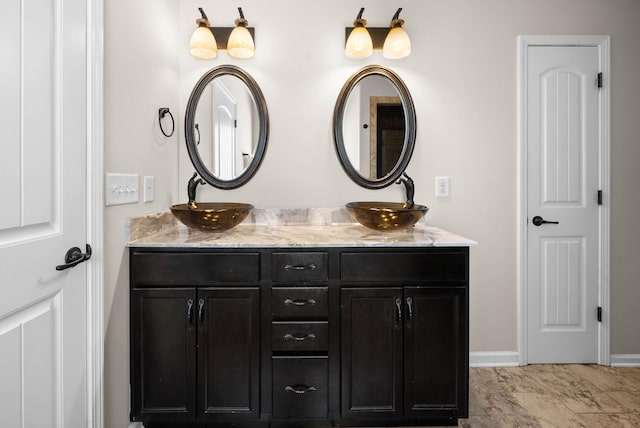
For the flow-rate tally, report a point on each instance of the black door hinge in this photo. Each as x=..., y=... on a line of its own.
x=599, y=197
x=600, y=83
x=235, y=123
x=599, y=314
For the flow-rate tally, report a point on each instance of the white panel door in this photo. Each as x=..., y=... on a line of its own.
x=562, y=183
x=225, y=153
x=43, y=329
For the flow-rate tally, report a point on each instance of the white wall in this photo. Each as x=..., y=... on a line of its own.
x=462, y=76
x=141, y=75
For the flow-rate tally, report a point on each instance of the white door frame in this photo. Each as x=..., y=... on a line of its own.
x=95, y=207
x=602, y=43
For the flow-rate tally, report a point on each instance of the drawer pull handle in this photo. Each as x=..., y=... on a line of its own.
x=299, y=337
x=310, y=266
x=297, y=302
x=300, y=389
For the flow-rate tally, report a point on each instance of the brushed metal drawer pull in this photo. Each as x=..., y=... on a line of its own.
x=297, y=302
x=310, y=266
x=300, y=389
x=299, y=337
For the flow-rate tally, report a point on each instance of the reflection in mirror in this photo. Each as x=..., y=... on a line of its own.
x=226, y=127
x=374, y=127
x=227, y=119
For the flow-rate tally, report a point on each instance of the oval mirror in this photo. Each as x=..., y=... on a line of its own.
x=226, y=127
x=374, y=127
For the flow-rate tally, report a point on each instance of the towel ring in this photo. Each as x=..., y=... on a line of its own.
x=162, y=112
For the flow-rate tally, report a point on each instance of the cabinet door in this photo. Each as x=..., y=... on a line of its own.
x=436, y=352
x=228, y=353
x=371, y=352
x=163, y=354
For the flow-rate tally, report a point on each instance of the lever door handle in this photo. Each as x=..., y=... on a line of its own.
x=539, y=221
x=74, y=257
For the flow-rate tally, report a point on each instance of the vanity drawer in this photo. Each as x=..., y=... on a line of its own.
x=192, y=268
x=403, y=266
x=300, y=387
x=299, y=336
x=299, y=266
x=303, y=303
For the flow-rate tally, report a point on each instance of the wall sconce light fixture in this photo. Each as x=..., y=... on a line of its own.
x=359, y=43
x=238, y=40
x=393, y=40
x=240, y=43
x=397, y=44
x=203, y=43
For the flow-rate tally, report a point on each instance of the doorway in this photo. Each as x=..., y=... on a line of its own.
x=563, y=199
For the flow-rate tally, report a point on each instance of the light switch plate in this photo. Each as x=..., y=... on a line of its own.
x=442, y=187
x=121, y=189
x=148, y=188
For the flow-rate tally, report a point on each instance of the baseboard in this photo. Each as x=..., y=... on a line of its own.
x=136, y=425
x=494, y=359
x=625, y=360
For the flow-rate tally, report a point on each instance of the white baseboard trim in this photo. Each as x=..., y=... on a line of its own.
x=136, y=425
x=625, y=360
x=494, y=359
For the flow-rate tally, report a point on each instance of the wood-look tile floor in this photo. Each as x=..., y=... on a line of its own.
x=558, y=396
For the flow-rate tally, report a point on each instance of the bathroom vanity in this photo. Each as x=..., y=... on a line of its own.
x=293, y=325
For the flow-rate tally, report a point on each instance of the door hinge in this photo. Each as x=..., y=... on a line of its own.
x=235, y=123
x=600, y=83
x=599, y=197
x=599, y=314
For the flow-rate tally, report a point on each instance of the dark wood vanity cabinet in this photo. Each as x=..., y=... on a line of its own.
x=282, y=337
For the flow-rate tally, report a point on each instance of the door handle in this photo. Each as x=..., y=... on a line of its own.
x=74, y=257
x=539, y=221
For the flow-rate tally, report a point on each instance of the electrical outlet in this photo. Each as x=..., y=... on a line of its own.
x=121, y=189
x=148, y=188
x=442, y=187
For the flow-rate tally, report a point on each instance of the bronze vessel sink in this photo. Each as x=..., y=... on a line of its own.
x=211, y=216
x=386, y=216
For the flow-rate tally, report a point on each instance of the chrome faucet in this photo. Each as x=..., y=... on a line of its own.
x=191, y=190
x=408, y=184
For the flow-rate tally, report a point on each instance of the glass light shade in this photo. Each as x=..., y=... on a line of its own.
x=240, y=43
x=203, y=44
x=359, y=44
x=397, y=44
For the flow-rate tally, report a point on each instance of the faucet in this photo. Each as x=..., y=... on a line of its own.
x=408, y=183
x=191, y=190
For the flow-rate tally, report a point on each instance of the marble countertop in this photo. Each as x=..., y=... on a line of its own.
x=270, y=228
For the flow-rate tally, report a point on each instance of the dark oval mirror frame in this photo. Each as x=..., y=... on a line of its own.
x=410, y=132
x=263, y=116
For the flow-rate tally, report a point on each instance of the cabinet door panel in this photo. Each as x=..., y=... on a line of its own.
x=163, y=355
x=228, y=353
x=436, y=366
x=371, y=337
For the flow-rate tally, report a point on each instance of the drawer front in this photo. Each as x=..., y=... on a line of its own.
x=302, y=303
x=300, y=387
x=194, y=268
x=403, y=266
x=300, y=336
x=299, y=267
